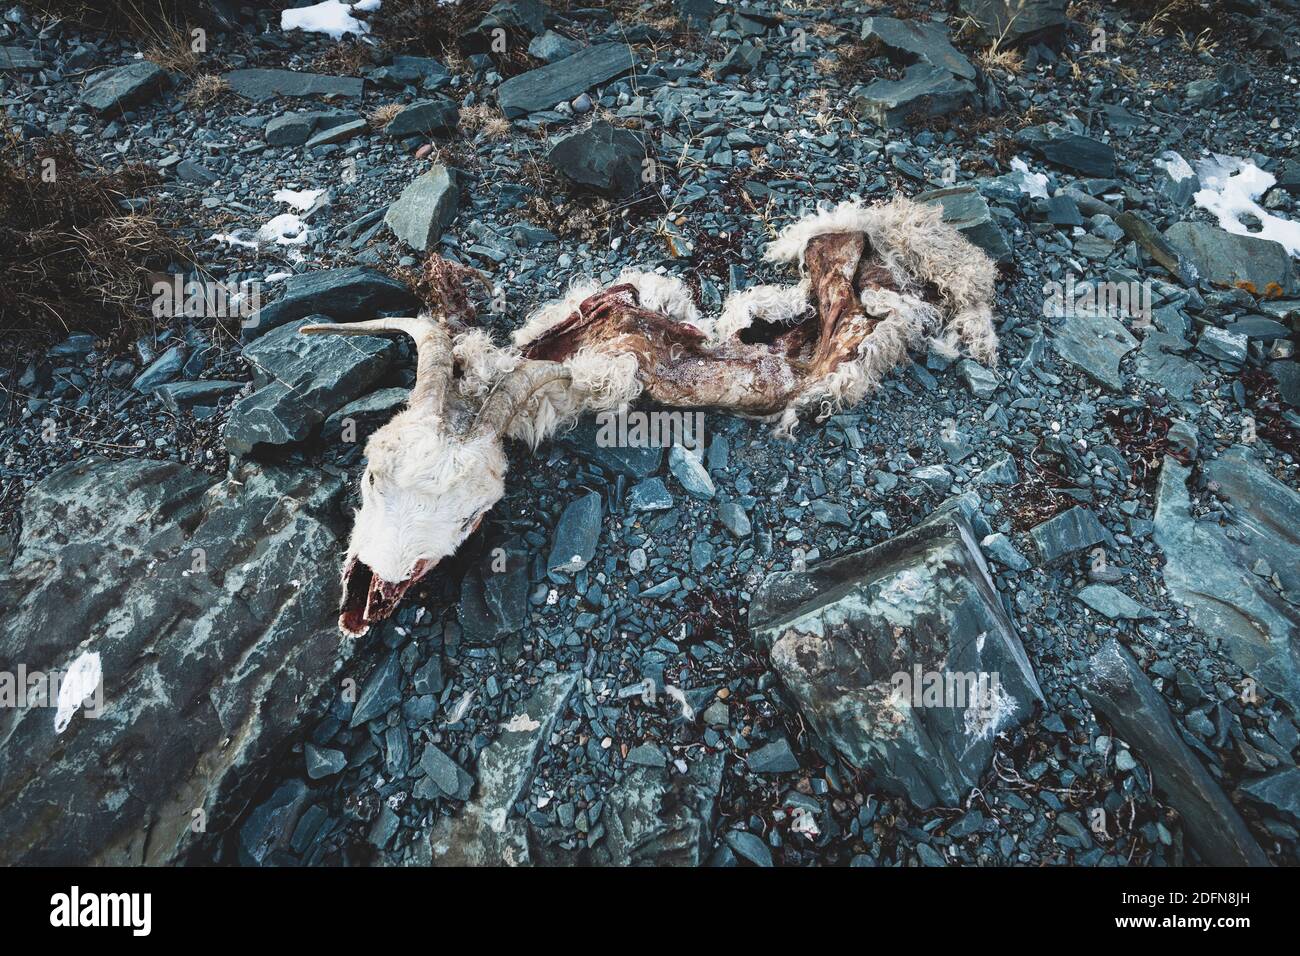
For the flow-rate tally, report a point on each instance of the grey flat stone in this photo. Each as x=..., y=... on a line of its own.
x=1226, y=258
x=1114, y=603
x=426, y=207
x=576, y=534
x=1067, y=535
x=122, y=87
x=924, y=91
x=913, y=40
x=833, y=632
x=1095, y=344
x=1211, y=573
x=558, y=82
x=260, y=84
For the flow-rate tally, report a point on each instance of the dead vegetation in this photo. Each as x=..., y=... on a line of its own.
x=76, y=255
x=346, y=58
x=163, y=28
x=484, y=120
x=383, y=115
x=205, y=90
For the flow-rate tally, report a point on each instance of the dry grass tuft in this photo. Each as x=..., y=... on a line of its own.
x=485, y=120
x=348, y=58
x=205, y=90
x=73, y=258
x=1007, y=60
x=383, y=115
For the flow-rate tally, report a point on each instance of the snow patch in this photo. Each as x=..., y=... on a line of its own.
x=1232, y=187
x=298, y=199
x=286, y=229
x=1031, y=183
x=331, y=17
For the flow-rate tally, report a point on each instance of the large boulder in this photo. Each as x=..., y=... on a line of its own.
x=208, y=609
x=1228, y=259
x=911, y=40
x=603, y=156
x=901, y=658
x=1072, y=150
x=300, y=381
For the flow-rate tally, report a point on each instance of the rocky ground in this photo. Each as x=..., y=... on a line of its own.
x=1108, y=519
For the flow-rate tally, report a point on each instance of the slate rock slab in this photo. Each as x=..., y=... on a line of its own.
x=1067, y=535
x=1226, y=258
x=300, y=380
x=348, y=294
x=1016, y=21
x=558, y=82
x=1161, y=360
x=912, y=40
x=494, y=596
x=294, y=129
x=1141, y=231
x=214, y=626
x=437, y=115
x=1212, y=571
x=1123, y=696
x=1083, y=154
x=965, y=208
x=185, y=396
x=426, y=208
x=604, y=157
x=576, y=534
x=260, y=84
x=120, y=88
x=924, y=91
x=1095, y=344
x=1113, y=603
x=485, y=832
x=841, y=633
x=655, y=817
x=1279, y=790
x=19, y=59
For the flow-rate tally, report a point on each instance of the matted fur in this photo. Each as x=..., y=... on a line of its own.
x=780, y=304
x=914, y=243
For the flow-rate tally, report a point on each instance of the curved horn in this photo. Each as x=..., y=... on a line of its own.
x=433, y=362
x=513, y=392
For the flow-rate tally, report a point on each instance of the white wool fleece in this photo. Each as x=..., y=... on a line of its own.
x=916, y=246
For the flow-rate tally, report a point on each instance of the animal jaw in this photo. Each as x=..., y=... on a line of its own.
x=876, y=281
x=367, y=600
